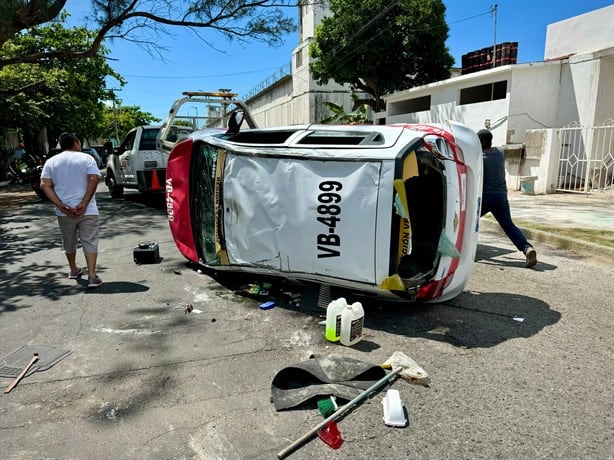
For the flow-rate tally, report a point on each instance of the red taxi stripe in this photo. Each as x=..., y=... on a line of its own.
x=177, y=188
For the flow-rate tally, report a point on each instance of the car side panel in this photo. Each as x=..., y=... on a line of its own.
x=304, y=216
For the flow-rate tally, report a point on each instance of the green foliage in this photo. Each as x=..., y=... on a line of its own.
x=63, y=95
x=126, y=119
x=359, y=116
x=381, y=46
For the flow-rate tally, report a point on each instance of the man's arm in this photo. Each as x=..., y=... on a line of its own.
x=47, y=187
x=92, y=184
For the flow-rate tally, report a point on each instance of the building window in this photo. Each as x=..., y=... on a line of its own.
x=299, y=58
x=483, y=93
x=417, y=104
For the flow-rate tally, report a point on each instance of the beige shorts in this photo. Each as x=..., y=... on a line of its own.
x=84, y=228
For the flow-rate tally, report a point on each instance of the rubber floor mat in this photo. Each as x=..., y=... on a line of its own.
x=12, y=365
x=322, y=376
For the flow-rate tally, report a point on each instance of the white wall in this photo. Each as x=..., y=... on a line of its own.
x=585, y=33
x=534, y=95
x=604, y=108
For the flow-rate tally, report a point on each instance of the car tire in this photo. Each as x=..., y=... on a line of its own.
x=115, y=190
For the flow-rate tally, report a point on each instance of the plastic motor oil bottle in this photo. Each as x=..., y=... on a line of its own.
x=352, y=319
x=332, y=330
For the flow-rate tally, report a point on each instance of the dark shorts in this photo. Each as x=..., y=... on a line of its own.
x=84, y=229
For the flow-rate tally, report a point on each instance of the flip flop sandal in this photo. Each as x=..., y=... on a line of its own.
x=94, y=282
x=76, y=274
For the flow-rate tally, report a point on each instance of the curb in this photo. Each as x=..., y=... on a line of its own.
x=582, y=248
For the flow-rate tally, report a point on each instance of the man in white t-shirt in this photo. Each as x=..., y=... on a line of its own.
x=70, y=179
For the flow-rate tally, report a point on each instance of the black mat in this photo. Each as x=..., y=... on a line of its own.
x=322, y=376
x=12, y=365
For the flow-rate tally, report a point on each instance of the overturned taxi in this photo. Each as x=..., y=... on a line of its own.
x=390, y=211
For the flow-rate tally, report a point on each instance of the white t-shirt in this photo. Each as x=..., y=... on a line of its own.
x=68, y=171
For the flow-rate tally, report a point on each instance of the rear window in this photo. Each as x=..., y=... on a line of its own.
x=148, y=139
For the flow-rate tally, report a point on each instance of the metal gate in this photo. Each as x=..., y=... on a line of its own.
x=586, y=159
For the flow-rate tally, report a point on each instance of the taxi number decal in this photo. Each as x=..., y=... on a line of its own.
x=328, y=214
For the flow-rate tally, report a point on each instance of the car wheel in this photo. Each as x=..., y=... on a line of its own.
x=115, y=190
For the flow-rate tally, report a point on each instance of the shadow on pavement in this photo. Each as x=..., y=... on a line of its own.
x=498, y=257
x=114, y=287
x=471, y=320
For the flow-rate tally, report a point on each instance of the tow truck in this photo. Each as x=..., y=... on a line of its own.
x=141, y=159
x=184, y=117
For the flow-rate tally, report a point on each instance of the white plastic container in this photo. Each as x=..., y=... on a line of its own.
x=332, y=330
x=394, y=413
x=352, y=319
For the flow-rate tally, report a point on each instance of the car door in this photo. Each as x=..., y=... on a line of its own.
x=125, y=152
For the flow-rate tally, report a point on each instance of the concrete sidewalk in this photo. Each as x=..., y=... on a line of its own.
x=561, y=220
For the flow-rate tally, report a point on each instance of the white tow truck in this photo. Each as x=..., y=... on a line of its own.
x=198, y=110
x=140, y=161
x=136, y=163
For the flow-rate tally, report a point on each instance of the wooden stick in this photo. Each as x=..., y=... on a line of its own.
x=20, y=376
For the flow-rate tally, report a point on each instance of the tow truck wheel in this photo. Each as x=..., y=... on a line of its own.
x=115, y=190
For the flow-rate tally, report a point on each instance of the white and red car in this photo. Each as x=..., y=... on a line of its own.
x=391, y=211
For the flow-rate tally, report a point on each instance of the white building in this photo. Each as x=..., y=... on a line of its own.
x=525, y=105
x=295, y=98
x=574, y=85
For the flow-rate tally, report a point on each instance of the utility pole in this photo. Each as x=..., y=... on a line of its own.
x=115, y=120
x=493, y=11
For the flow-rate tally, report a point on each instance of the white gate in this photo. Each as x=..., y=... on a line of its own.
x=586, y=160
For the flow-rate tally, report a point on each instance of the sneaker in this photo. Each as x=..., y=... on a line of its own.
x=76, y=274
x=94, y=282
x=531, y=256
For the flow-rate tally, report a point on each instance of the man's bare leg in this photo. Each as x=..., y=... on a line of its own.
x=90, y=260
x=72, y=262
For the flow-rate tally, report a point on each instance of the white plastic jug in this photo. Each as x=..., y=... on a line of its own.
x=332, y=330
x=352, y=319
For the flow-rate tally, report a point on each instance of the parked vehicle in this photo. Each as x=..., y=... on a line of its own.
x=26, y=168
x=94, y=154
x=136, y=163
x=390, y=211
x=215, y=109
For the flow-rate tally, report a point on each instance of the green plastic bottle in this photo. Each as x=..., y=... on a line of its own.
x=332, y=331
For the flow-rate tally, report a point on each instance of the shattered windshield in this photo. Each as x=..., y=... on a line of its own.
x=204, y=201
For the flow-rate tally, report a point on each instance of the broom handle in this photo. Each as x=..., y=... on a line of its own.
x=23, y=372
x=342, y=410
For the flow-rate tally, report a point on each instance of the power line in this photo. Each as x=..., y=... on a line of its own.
x=184, y=77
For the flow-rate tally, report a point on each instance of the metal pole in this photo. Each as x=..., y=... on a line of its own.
x=493, y=11
x=115, y=120
x=196, y=118
x=342, y=410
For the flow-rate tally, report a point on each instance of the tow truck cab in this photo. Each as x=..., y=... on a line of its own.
x=137, y=164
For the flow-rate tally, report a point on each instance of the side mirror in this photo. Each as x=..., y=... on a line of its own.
x=235, y=121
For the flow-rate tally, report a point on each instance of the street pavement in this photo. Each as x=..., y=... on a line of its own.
x=563, y=211
x=166, y=363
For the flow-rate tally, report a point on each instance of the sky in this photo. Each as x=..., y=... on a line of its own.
x=188, y=64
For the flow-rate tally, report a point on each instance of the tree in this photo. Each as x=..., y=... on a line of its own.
x=359, y=116
x=124, y=118
x=59, y=95
x=381, y=46
x=142, y=20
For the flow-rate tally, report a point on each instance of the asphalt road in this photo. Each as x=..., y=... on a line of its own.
x=146, y=380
